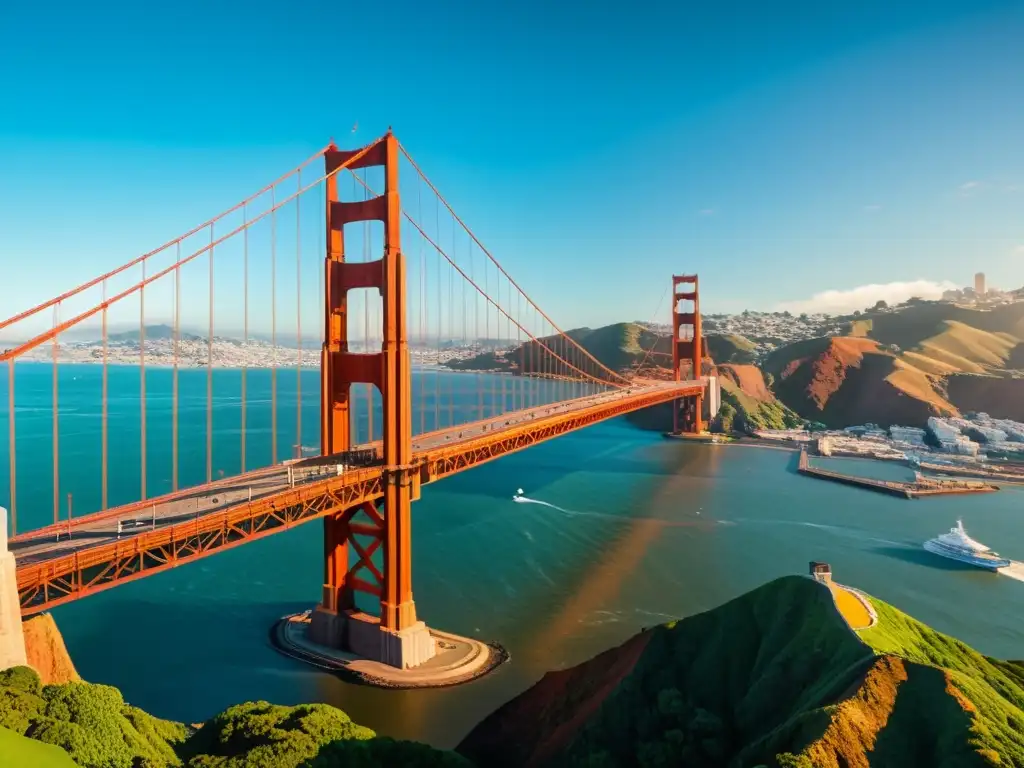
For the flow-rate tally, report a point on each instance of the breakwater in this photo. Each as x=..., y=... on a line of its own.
x=921, y=487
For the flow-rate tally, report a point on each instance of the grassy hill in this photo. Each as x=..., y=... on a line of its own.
x=90, y=725
x=729, y=348
x=17, y=750
x=844, y=380
x=893, y=367
x=747, y=402
x=904, y=366
x=773, y=678
x=619, y=346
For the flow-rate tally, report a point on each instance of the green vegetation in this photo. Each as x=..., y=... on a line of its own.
x=774, y=678
x=748, y=414
x=619, y=347
x=892, y=366
x=309, y=735
x=730, y=348
x=91, y=726
x=725, y=421
x=16, y=750
x=91, y=723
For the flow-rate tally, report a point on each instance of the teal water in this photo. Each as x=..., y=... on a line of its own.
x=640, y=530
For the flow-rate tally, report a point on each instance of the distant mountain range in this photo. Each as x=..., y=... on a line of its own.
x=887, y=366
x=162, y=331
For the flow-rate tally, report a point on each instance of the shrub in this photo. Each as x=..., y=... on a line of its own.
x=261, y=734
x=23, y=679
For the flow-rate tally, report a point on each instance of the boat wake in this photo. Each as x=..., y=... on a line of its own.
x=519, y=498
x=1014, y=570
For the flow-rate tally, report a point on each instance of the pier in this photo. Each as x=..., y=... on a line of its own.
x=921, y=487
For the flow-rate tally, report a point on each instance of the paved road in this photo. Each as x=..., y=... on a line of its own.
x=192, y=503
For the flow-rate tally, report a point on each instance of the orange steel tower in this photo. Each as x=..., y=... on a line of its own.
x=687, y=346
x=396, y=637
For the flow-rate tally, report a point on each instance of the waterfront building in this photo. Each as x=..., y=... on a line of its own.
x=943, y=430
x=911, y=435
x=989, y=434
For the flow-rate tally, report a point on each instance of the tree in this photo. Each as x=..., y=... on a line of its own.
x=881, y=304
x=725, y=419
x=856, y=313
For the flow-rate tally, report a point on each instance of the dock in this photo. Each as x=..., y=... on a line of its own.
x=922, y=486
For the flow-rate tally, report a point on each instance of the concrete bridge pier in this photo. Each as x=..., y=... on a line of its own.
x=12, y=637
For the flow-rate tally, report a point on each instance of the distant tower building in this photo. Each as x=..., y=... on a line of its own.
x=979, y=284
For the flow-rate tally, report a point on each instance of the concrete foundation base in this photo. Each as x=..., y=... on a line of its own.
x=12, y=636
x=428, y=658
x=361, y=634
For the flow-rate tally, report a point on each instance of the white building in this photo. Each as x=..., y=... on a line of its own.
x=961, y=444
x=912, y=435
x=942, y=429
x=991, y=435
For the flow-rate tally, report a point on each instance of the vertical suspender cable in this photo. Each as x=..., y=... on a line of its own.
x=104, y=433
x=321, y=296
x=245, y=324
x=56, y=422
x=440, y=316
x=273, y=325
x=451, y=329
x=142, y=385
x=11, y=453
x=522, y=353
x=209, y=376
x=423, y=312
x=174, y=373
x=298, y=315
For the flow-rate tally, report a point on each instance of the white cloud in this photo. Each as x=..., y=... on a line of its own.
x=844, y=301
x=706, y=212
x=969, y=188
x=1020, y=249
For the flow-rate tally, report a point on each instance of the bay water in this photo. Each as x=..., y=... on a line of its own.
x=628, y=530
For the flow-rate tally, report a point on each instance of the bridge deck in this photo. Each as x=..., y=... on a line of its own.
x=62, y=562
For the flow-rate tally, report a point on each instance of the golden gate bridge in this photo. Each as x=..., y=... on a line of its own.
x=381, y=438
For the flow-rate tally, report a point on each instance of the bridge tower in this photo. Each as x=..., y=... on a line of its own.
x=395, y=637
x=687, y=351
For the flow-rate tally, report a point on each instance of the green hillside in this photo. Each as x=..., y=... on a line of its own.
x=618, y=347
x=772, y=678
x=92, y=726
x=729, y=348
x=16, y=750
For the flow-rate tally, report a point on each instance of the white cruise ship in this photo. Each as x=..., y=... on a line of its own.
x=957, y=545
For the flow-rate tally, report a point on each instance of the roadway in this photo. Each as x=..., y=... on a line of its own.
x=193, y=503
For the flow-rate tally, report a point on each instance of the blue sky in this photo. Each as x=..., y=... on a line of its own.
x=779, y=150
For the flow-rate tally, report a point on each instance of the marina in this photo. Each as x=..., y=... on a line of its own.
x=921, y=487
